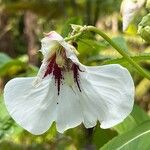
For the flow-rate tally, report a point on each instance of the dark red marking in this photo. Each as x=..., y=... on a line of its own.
x=75, y=68
x=56, y=71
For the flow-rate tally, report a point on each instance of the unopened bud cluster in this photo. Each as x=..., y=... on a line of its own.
x=144, y=28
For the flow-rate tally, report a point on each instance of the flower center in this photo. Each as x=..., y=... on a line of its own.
x=58, y=70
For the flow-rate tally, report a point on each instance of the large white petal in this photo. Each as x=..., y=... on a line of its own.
x=69, y=113
x=88, y=108
x=33, y=108
x=110, y=90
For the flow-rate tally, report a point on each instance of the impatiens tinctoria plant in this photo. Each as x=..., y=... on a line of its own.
x=69, y=93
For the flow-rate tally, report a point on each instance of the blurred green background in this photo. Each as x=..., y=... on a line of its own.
x=22, y=24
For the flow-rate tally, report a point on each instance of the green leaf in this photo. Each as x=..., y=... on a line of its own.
x=4, y=59
x=3, y=111
x=93, y=44
x=89, y=48
x=139, y=58
x=121, y=42
x=102, y=136
x=99, y=58
x=136, y=139
x=11, y=67
x=133, y=120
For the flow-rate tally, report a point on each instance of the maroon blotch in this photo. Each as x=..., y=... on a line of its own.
x=56, y=71
x=75, y=68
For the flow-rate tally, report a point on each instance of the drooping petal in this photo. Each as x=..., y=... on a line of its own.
x=50, y=43
x=70, y=50
x=53, y=35
x=71, y=54
x=33, y=108
x=69, y=113
x=48, y=47
x=109, y=90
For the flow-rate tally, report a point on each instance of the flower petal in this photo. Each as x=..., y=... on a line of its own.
x=69, y=112
x=54, y=36
x=71, y=52
x=88, y=109
x=110, y=90
x=48, y=46
x=38, y=79
x=50, y=43
x=33, y=108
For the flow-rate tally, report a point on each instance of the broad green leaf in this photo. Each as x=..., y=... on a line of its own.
x=99, y=58
x=136, y=139
x=94, y=44
x=102, y=136
x=133, y=120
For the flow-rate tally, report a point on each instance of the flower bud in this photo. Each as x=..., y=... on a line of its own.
x=76, y=27
x=144, y=28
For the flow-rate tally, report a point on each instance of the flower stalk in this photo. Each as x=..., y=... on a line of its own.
x=140, y=70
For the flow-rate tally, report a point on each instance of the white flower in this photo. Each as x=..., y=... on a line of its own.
x=69, y=93
x=129, y=8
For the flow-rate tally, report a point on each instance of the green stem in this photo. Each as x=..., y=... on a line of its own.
x=141, y=71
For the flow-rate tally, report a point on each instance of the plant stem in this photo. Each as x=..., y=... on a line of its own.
x=141, y=71
x=89, y=136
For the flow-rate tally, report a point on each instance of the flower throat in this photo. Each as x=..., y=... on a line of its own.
x=57, y=71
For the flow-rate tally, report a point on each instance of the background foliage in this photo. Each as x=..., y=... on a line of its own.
x=22, y=23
